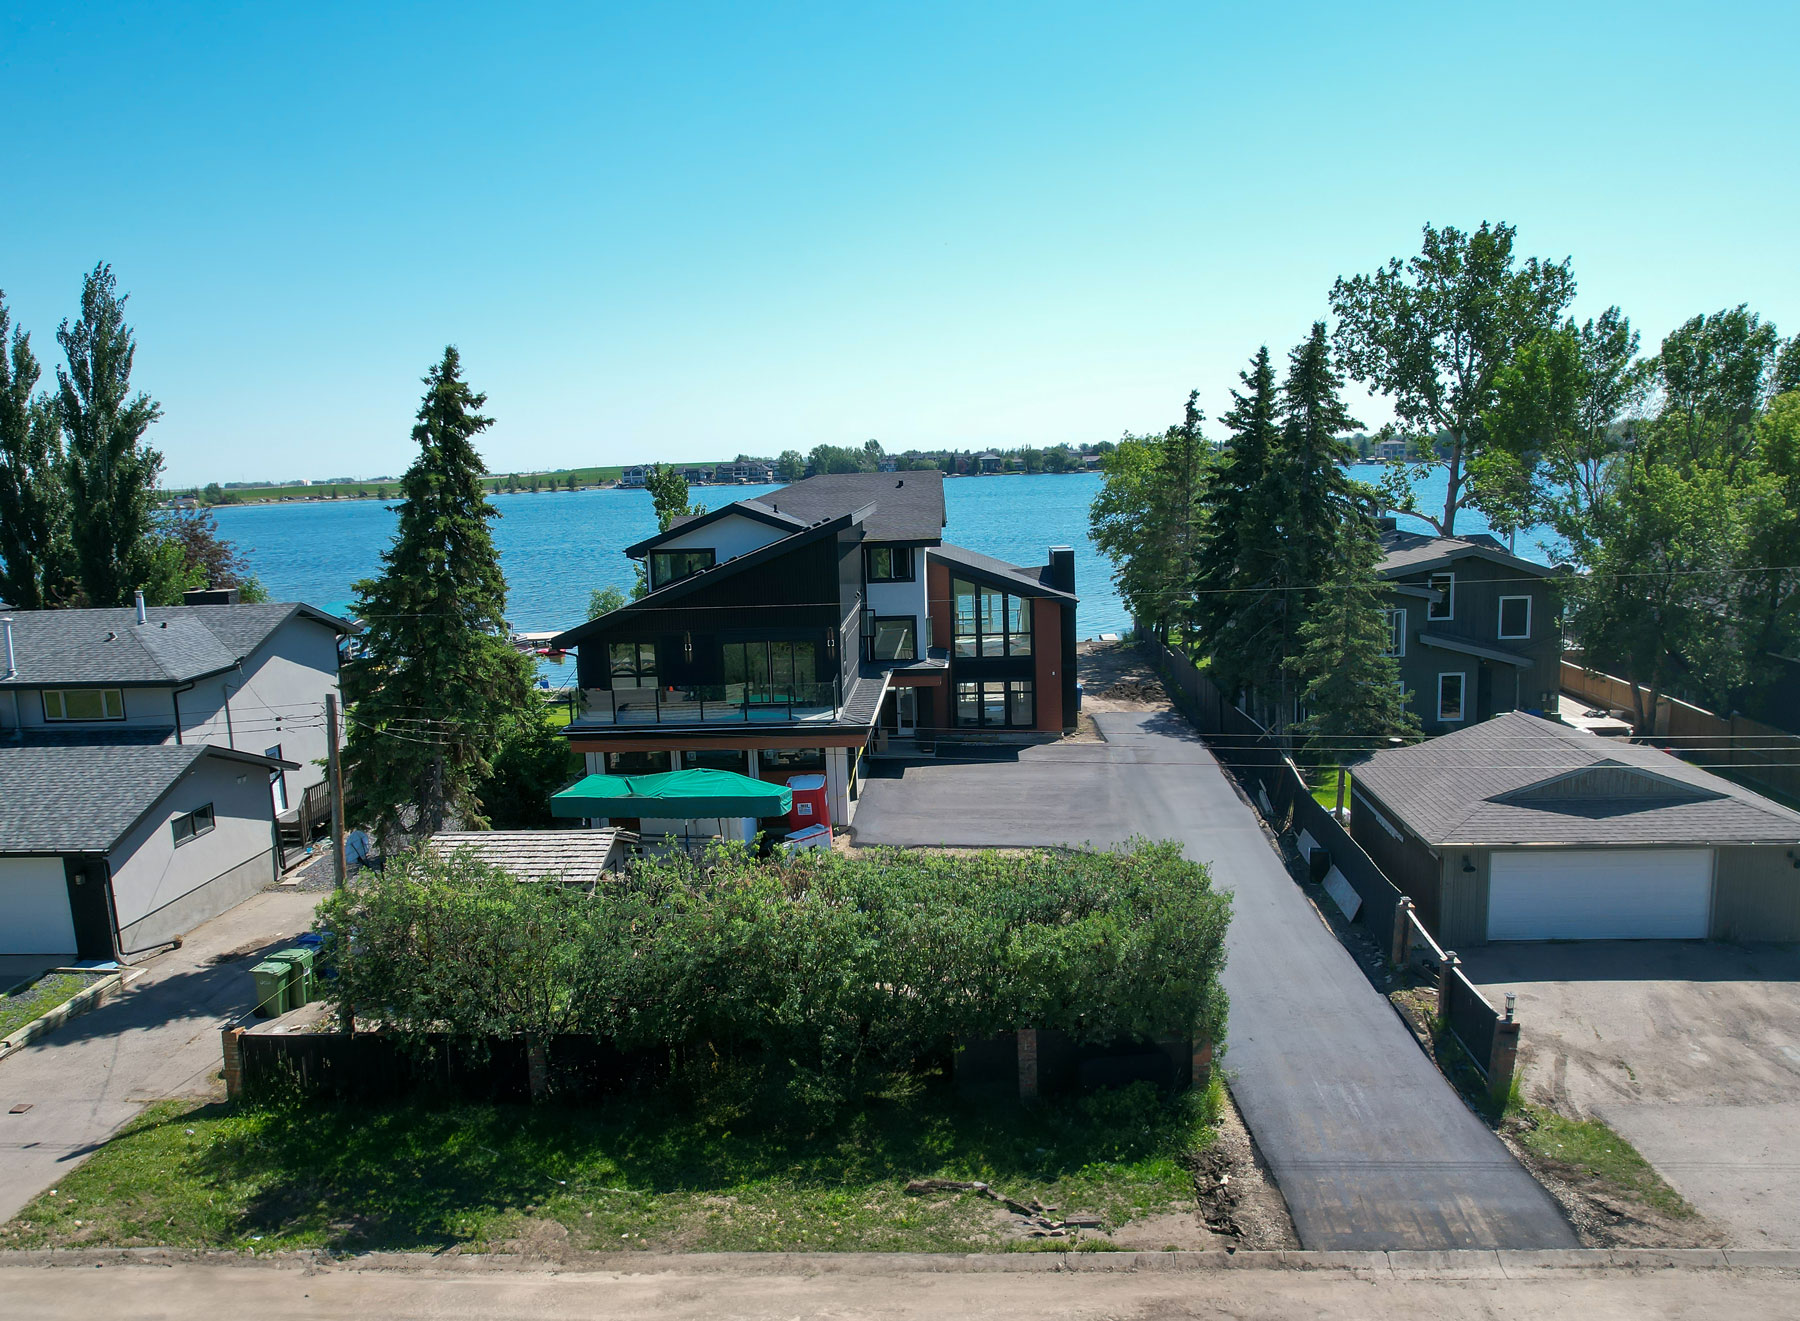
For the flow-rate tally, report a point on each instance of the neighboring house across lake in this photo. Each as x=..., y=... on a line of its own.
x=145, y=756
x=783, y=634
x=1520, y=828
x=1475, y=630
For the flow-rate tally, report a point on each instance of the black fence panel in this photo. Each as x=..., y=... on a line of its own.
x=1472, y=1019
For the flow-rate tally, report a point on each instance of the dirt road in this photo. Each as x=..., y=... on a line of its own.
x=1484, y=1286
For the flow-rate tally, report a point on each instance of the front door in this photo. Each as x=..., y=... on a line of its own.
x=906, y=710
x=277, y=781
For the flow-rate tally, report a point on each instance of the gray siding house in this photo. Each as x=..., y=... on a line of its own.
x=146, y=755
x=1475, y=630
x=1520, y=828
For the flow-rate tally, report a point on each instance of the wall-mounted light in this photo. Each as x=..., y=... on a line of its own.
x=1468, y=866
x=687, y=646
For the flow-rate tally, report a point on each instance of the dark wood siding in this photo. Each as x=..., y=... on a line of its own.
x=1405, y=860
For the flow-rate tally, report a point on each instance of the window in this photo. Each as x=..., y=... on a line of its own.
x=1445, y=606
x=1515, y=616
x=191, y=825
x=715, y=759
x=790, y=761
x=84, y=704
x=896, y=638
x=636, y=763
x=996, y=703
x=990, y=622
x=771, y=670
x=671, y=566
x=633, y=664
x=277, y=780
x=889, y=564
x=1396, y=625
x=1450, y=697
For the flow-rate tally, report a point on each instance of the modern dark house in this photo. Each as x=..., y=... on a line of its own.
x=782, y=635
x=1475, y=629
x=1520, y=828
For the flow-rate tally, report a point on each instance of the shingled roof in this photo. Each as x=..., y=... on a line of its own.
x=909, y=506
x=178, y=644
x=60, y=798
x=1405, y=553
x=1519, y=779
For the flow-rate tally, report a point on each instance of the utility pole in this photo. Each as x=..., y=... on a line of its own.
x=334, y=770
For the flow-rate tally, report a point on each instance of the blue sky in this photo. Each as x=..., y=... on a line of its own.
x=662, y=231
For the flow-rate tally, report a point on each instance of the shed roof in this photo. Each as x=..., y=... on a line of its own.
x=578, y=857
x=179, y=643
x=62, y=798
x=1511, y=780
x=1029, y=582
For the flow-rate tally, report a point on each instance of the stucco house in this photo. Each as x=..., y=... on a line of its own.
x=1520, y=828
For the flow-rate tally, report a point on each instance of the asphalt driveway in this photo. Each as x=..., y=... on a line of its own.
x=159, y=1038
x=1370, y=1146
x=1689, y=1050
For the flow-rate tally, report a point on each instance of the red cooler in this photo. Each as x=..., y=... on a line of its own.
x=812, y=807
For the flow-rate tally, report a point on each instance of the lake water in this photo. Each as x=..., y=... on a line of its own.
x=557, y=547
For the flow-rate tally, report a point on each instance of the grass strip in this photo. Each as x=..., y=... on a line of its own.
x=33, y=1000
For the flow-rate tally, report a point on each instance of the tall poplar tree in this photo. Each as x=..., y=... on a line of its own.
x=437, y=682
x=111, y=473
x=34, y=503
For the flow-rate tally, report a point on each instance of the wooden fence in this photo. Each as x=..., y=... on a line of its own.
x=1761, y=753
x=1251, y=754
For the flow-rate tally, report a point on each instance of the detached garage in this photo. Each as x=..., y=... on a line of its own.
x=108, y=850
x=1520, y=828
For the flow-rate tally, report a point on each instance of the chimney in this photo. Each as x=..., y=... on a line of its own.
x=12, y=666
x=1062, y=568
x=139, y=597
x=1387, y=523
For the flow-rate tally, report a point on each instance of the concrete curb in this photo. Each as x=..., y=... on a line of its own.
x=90, y=997
x=1396, y=1264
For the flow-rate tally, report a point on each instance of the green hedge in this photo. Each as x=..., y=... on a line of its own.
x=842, y=967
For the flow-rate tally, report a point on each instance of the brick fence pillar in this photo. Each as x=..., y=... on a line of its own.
x=1402, y=948
x=1202, y=1067
x=1504, y=1056
x=1028, y=1064
x=1446, y=971
x=234, y=1062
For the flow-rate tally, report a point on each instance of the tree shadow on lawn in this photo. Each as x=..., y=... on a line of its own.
x=415, y=1175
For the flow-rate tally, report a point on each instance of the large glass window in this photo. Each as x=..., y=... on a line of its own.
x=889, y=564
x=715, y=759
x=772, y=670
x=990, y=622
x=671, y=566
x=996, y=704
x=636, y=763
x=896, y=637
x=633, y=664
x=790, y=761
x=84, y=704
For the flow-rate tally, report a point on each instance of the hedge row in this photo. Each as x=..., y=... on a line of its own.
x=840, y=966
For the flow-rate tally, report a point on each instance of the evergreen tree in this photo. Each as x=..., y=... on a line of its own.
x=34, y=505
x=111, y=473
x=438, y=684
x=1236, y=579
x=1351, y=685
x=1322, y=497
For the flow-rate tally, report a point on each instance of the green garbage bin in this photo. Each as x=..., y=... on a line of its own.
x=302, y=989
x=271, y=980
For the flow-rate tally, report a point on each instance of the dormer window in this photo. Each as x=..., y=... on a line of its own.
x=671, y=566
x=889, y=564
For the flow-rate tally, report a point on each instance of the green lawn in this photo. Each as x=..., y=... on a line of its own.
x=1323, y=781
x=22, y=1004
x=655, y=1172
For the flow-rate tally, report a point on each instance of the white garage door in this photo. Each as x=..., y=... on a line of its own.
x=1600, y=894
x=34, y=907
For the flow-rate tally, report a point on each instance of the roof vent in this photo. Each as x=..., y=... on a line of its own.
x=900, y=483
x=138, y=597
x=12, y=667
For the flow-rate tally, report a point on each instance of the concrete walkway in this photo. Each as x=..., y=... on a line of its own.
x=159, y=1038
x=1370, y=1146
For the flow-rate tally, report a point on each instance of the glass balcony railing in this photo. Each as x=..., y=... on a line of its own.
x=712, y=704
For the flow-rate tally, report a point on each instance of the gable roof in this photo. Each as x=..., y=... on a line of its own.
x=178, y=644
x=751, y=509
x=1519, y=779
x=1025, y=582
x=1406, y=553
x=575, y=857
x=61, y=798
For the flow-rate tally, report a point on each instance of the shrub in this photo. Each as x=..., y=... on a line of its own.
x=836, y=968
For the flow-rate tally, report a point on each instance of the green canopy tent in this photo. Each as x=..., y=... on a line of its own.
x=673, y=795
